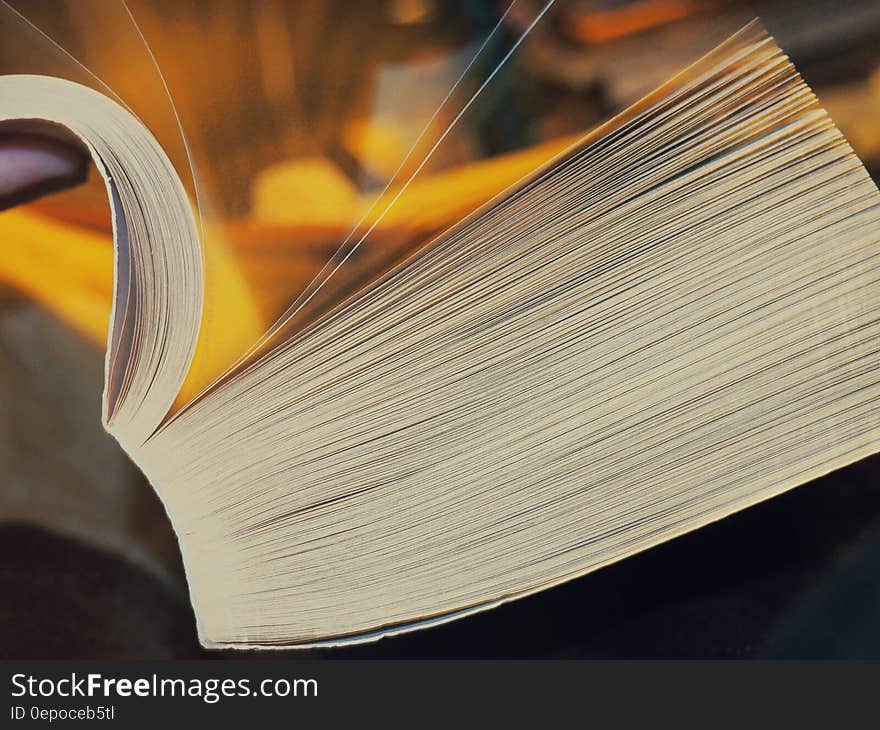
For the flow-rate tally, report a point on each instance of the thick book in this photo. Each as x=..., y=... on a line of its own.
x=675, y=318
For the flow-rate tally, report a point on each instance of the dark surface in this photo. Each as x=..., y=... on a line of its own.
x=794, y=577
x=60, y=599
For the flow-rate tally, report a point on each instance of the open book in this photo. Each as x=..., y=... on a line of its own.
x=675, y=318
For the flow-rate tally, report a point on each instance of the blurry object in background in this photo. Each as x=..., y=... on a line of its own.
x=856, y=108
x=68, y=269
x=32, y=166
x=600, y=22
x=431, y=203
x=406, y=12
x=623, y=48
x=308, y=191
x=58, y=468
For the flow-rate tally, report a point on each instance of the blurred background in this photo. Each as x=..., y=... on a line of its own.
x=293, y=124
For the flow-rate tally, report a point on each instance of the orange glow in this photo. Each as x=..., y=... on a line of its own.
x=430, y=203
x=68, y=270
x=602, y=26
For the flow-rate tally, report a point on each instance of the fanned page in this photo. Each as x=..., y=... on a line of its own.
x=674, y=319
